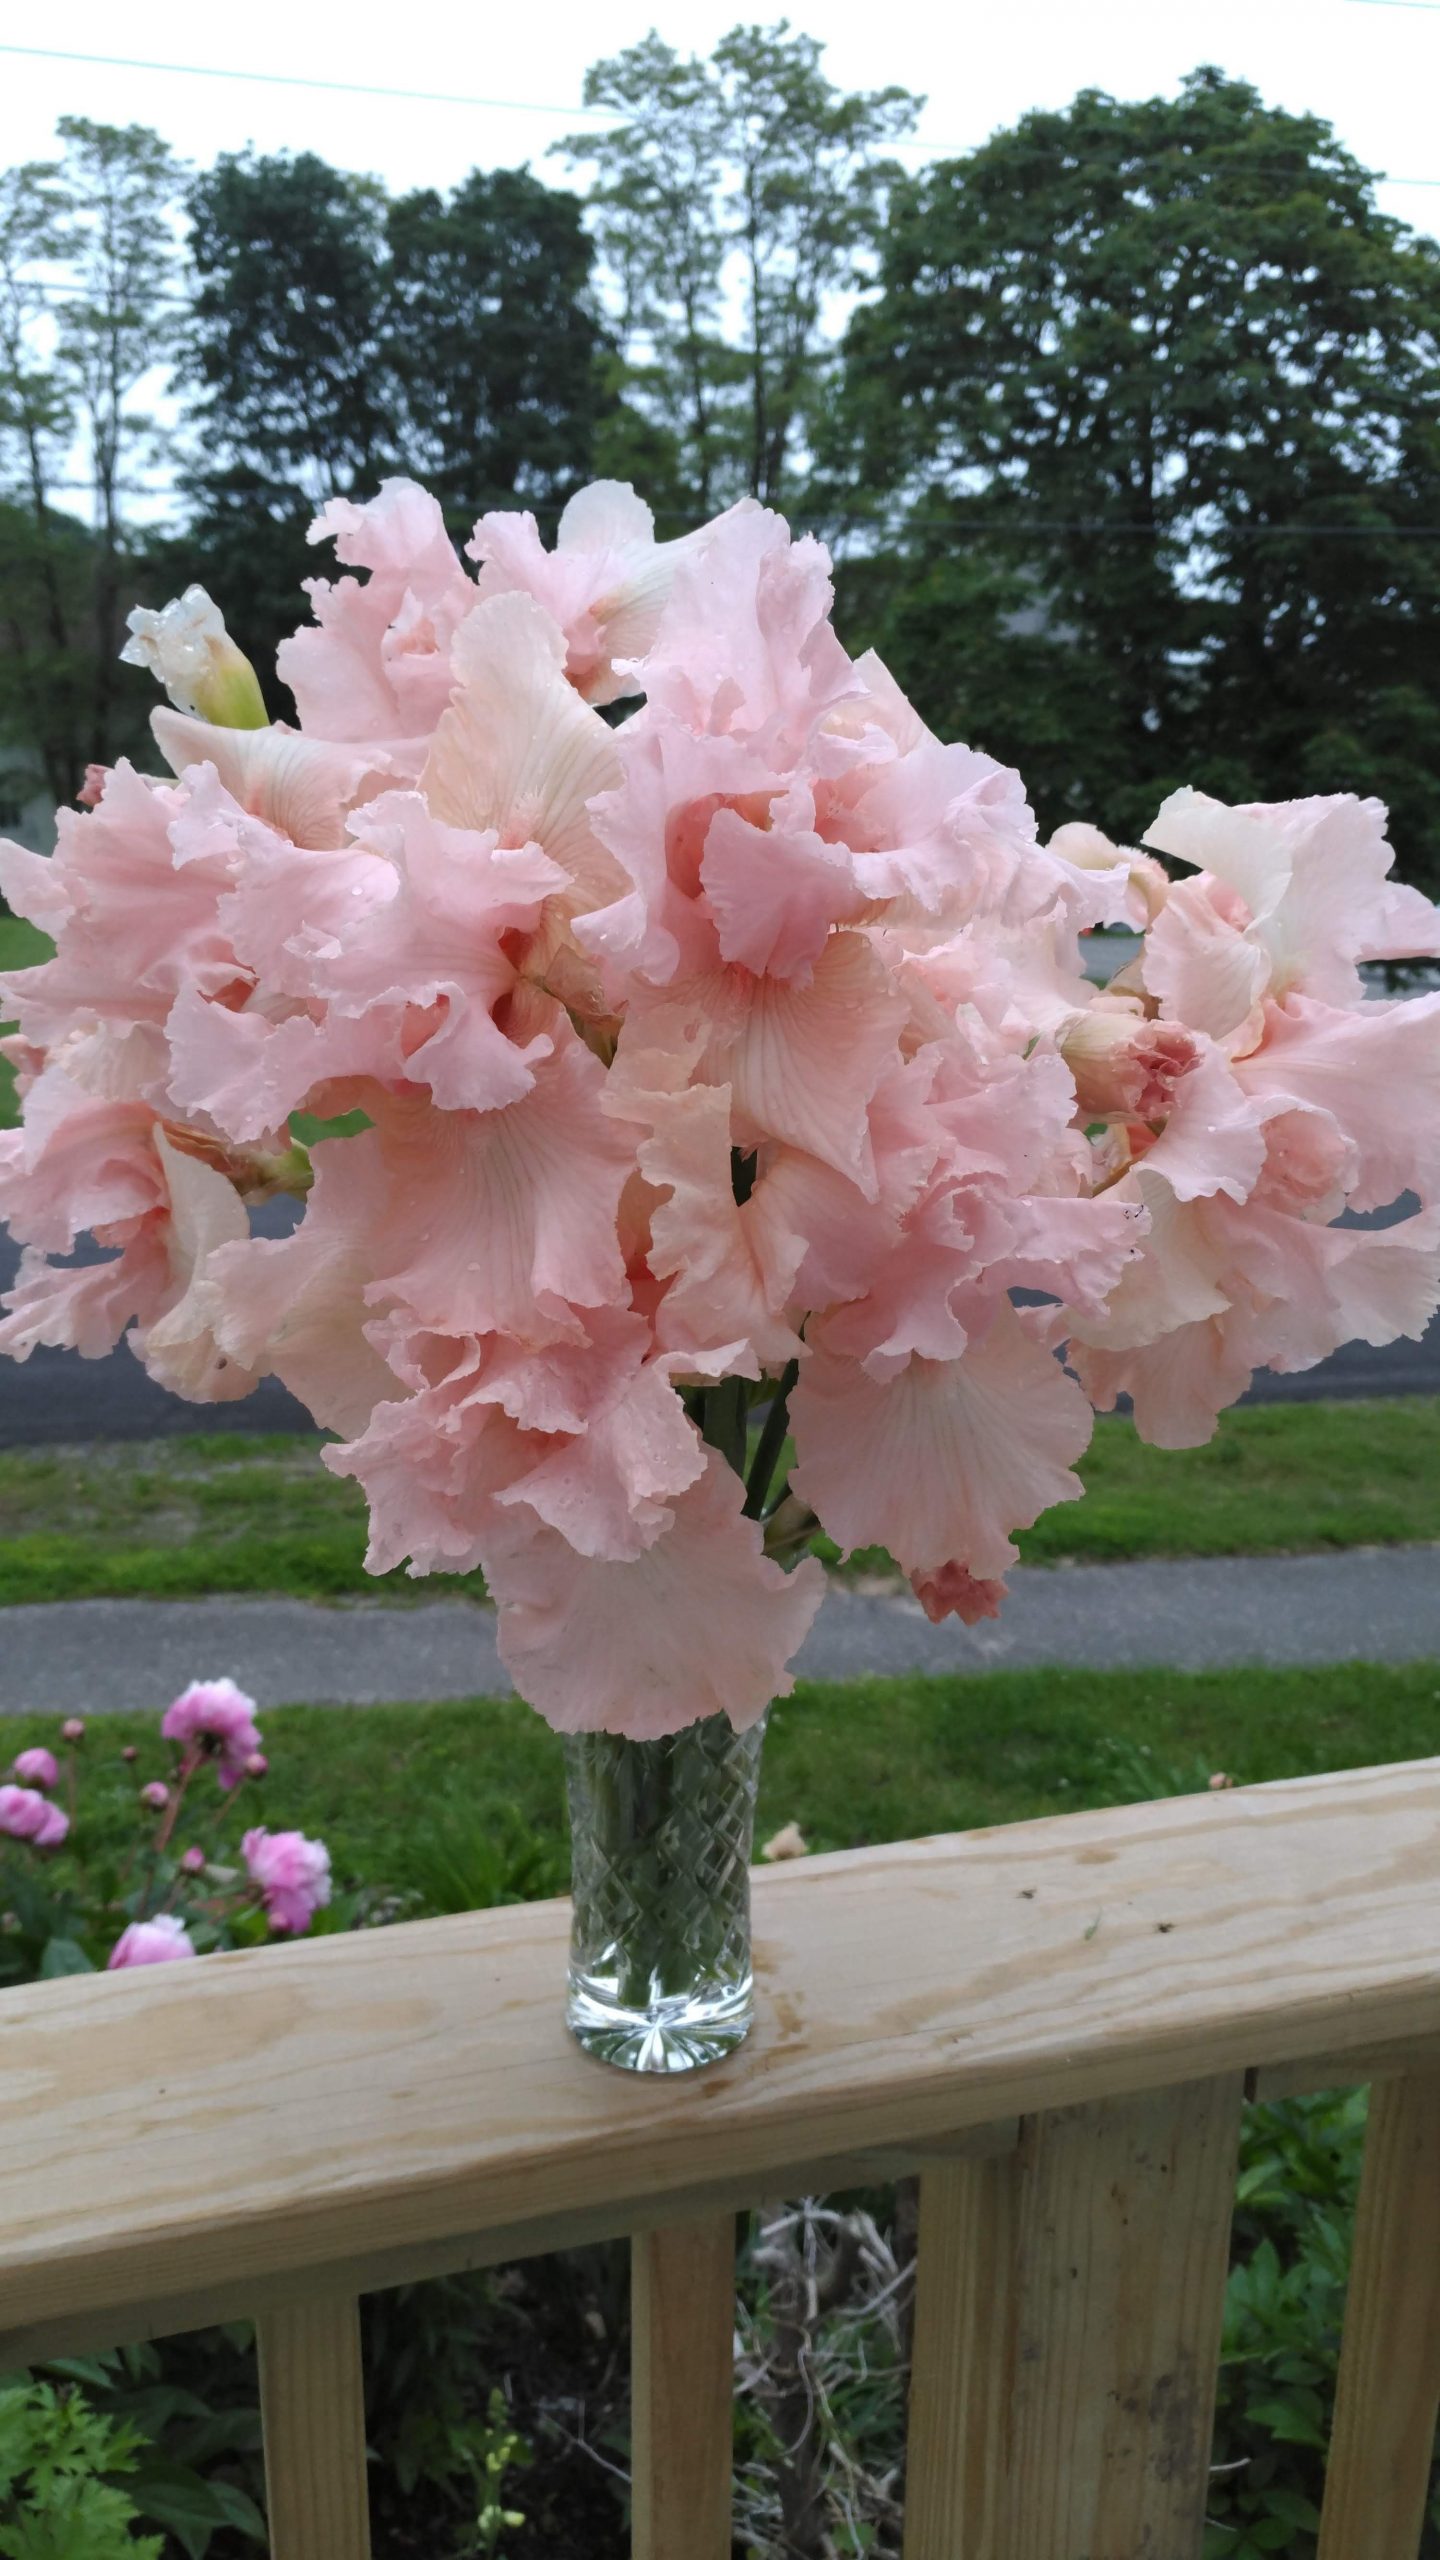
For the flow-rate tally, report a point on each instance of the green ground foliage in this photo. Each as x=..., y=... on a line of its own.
x=236, y=1512
x=460, y=1804
x=21, y=945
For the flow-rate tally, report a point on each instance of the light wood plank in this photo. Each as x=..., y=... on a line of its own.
x=312, y=2404
x=1389, y=2392
x=461, y=2252
x=1068, y=2338
x=683, y=2411
x=959, y=2406
x=343, y=2101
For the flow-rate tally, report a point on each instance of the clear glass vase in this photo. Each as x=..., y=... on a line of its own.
x=661, y=1835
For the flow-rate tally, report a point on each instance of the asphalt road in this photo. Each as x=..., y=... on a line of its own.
x=1365, y=1605
x=57, y=1397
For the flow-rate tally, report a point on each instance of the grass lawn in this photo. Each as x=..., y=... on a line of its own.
x=460, y=1804
x=226, y=1512
x=21, y=945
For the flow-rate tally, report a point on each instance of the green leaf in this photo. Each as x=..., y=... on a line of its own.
x=188, y=2507
x=240, y=2511
x=62, y=1956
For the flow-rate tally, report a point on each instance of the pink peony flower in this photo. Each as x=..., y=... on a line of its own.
x=217, y=1718
x=163, y=1940
x=292, y=1874
x=193, y=1862
x=37, y=1768
x=27, y=1815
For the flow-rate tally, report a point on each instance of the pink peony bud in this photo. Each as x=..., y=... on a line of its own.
x=37, y=1768
x=257, y=1766
x=24, y=1815
x=293, y=1875
x=215, y=1717
x=1125, y=1064
x=73, y=1729
x=1220, y=1780
x=162, y=1940
x=130, y=1754
x=193, y=1862
x=156, y=1795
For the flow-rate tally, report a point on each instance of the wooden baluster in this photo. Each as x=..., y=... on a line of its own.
x=683, y=2426
x=956, y=2455
x=312, y=2404
x=1068, y=2335
x=1389, y=2391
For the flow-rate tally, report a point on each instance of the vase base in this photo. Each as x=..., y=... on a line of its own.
x=675, y=2034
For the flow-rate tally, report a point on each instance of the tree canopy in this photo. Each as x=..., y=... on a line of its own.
x=1123, y=427
x=1145, y=412
x=750, y=181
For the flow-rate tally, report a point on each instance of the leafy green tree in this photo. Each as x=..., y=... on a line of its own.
x=115, y=193
x=87, y=320
x=338, y=336
x=491, y=343
x=281, y=361
x=747, y=183
x=41, y=678
x=1145, y=416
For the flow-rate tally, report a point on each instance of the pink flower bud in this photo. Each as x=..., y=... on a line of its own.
x=214, y=1717
x=953, y=1591
x=159, y=1941
x=73, y=1729
x=257, y=1766
x=26, y=1815
x=37, y=1768
x=156, y=1795
x=193, y=1862
x=292, y=1875
x=1124, y=1063
x=1220, y=1780
x=130, y=1755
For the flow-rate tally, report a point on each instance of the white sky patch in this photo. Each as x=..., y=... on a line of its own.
x=1373, y=70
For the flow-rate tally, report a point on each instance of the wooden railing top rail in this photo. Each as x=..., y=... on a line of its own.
x=191, y=2140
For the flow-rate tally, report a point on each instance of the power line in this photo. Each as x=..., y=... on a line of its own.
x=539, y=107
x=295, y=80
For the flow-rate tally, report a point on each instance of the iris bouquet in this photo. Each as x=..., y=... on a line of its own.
x=725, y=1136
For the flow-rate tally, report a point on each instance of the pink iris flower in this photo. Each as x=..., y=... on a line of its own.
x=747, y=1039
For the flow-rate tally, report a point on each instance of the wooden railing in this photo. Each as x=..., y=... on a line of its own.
x=1057, y=2023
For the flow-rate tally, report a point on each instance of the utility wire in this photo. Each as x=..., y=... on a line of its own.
x=539, y=107
x=295, y=80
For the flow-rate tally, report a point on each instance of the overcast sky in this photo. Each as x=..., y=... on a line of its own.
x=1371, y=66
